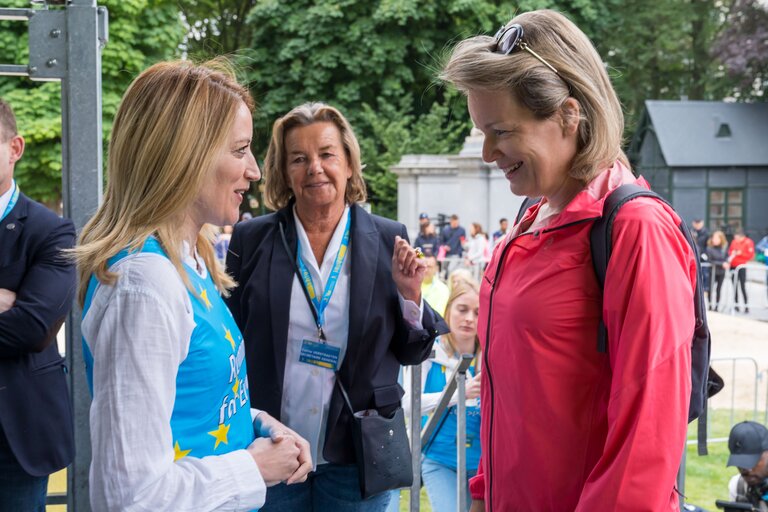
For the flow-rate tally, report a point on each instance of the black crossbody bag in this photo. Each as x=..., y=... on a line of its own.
x=382, y=450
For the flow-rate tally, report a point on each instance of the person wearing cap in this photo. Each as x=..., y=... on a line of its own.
x=427, y=238
x=748, y=444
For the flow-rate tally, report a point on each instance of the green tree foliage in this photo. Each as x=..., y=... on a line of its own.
x=661, y=50
x=141, y=32
x=742, y=47
x=374, y=60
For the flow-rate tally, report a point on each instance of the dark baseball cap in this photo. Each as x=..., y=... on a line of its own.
x=747, y=442
x=423, y=215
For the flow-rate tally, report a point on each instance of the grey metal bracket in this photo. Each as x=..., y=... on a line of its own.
x=445, y=399
x=48, y=45
x=48, y=41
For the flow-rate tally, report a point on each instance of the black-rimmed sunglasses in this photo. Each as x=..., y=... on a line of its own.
x=510, y=38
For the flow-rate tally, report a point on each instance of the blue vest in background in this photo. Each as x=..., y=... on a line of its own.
x=443, y=446
x=211, y=414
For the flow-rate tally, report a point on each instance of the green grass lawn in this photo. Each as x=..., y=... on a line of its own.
x=706, y=478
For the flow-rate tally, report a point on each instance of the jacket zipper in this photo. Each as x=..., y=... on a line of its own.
x=487, y=351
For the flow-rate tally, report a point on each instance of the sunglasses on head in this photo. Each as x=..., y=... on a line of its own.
x=509, y=38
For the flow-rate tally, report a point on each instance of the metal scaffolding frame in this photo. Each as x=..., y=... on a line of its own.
x=65, y=45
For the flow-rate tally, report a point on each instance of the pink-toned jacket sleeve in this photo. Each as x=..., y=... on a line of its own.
x=648, y=309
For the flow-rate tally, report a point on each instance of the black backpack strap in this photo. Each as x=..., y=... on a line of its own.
x=527, y=203
x=600, y=240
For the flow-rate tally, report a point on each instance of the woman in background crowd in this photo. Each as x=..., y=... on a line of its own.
x=438, y=466
x=717, y=257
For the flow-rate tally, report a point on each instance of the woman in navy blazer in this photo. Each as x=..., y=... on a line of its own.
x=375, y=321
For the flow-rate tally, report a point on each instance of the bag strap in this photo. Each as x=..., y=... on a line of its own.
x=344, y=394
x=600, y=241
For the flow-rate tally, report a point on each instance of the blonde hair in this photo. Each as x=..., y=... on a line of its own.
x=166, y=136
x=460, y=288
x=458, y=276
x=723, y=241
x=474, y=65
x=277, y=193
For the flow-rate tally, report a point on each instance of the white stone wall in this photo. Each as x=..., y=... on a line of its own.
x=462, y=184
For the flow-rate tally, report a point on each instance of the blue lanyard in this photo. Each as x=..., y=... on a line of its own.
x=320, y=305
x=14, y=198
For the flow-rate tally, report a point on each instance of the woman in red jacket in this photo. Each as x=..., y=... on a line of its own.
x=565, y=427
x=741, y=251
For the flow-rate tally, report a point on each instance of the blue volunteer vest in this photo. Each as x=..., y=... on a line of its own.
x=211, y=413
x=443, y=446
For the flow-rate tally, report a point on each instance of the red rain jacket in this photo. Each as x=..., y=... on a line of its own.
x=565, y=427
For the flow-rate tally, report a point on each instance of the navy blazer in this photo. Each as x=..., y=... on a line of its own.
x=35, y=410
x=379, y=339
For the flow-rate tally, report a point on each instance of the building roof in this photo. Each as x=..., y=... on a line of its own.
x=708, y=133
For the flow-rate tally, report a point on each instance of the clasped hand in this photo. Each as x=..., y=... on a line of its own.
x=283, y=456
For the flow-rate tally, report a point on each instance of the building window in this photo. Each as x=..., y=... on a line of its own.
x=726, y=209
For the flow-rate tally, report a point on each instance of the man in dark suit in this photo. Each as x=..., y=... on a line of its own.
x=36, y=289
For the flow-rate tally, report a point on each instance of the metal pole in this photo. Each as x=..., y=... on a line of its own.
x=82, y=143
x=461, y=438
x=415, y=421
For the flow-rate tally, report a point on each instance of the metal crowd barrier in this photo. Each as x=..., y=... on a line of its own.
x=755, y=280
x=457, y=380
x=743, y=368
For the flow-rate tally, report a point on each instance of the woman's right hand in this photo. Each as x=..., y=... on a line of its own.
x=277, y=460
x=473, y=386
x=477, y=506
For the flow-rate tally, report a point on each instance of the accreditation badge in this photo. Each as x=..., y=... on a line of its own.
x=319, y=353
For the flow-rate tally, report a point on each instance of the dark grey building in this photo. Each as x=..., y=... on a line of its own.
x=709, y=158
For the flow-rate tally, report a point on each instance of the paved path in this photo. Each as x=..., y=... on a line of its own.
x=736, y=336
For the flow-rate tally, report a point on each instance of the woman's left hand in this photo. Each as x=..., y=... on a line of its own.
x=267, y=426
x=408, y=269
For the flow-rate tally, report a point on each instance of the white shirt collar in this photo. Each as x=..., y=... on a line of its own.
x=6, y=197
x=333, y=246
x=196, y=263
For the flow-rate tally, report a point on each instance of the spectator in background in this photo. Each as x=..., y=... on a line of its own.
x=701, y=236
x=423, y=220
x=452, y=239
x=478, y=250
x=748, y=444
x=427, y=239
x=459, y=275
x=222, y=242
x=439, y=465
x=499, y=235
x=245, y=216
x=741, y=251
x=761, y=253
x=433, y=289
x=717, y=257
